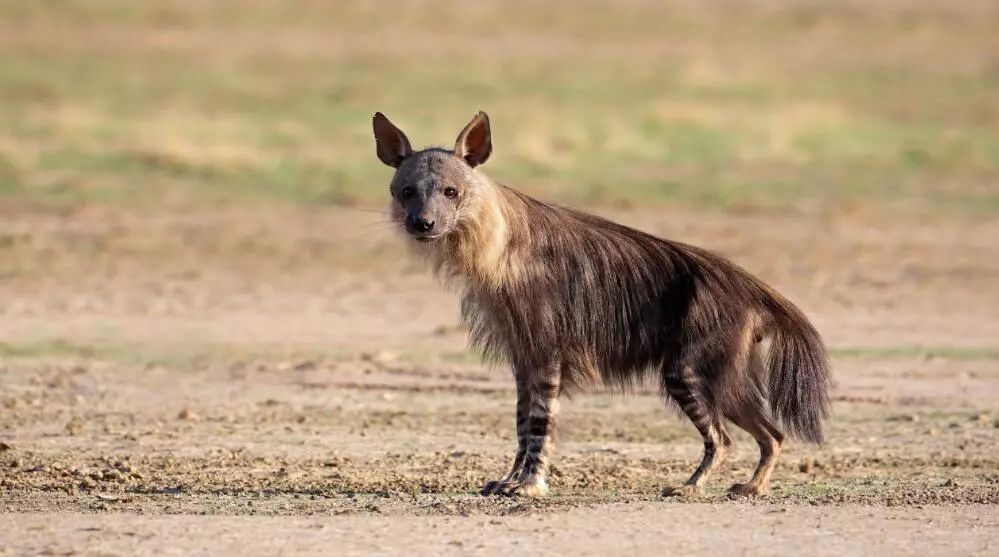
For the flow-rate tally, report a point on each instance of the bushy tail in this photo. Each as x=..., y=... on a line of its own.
x=799, y=371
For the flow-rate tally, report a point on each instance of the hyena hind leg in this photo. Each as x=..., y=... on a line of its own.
x=753, y=419
x=684, y=390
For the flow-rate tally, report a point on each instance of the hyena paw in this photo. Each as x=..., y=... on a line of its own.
x=534, y=488
x=749, y=490
x=685, y=490
x=495, y=487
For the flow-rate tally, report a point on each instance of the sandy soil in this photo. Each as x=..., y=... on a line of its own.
x=637, y=529
x=267, y=384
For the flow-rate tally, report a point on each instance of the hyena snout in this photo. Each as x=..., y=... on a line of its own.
x=420, y=224
x=426, y=227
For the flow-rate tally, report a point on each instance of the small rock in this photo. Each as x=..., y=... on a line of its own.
x=904, y=418
x=380, y=357
x=74, y=426
x=5, y=447
x=950, y=483
x=806, y=466
x=981, y=418
x=305, y=365
x=188, y=415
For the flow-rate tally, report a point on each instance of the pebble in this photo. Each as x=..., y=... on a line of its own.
x=74, y=426
x=188, y=415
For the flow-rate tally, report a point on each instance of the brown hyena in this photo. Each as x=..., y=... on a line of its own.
x=568, y=298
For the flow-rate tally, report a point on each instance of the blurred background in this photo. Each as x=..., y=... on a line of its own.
x=184, y=169
x=795, y=105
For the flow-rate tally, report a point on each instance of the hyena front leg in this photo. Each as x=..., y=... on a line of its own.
x=523, y=403
x=532, y=480
x=544, y=388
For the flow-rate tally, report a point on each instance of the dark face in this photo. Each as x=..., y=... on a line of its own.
x=429, y=186
x=427, y=191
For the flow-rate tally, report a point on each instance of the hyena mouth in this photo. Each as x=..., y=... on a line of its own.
x=428, y=239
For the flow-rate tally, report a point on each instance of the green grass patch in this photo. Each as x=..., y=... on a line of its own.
x=980, y=353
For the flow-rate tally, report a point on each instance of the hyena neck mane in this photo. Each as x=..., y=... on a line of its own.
x=484, y=249
x=504, y=238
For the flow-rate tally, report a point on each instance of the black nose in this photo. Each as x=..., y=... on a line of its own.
x=422, y=224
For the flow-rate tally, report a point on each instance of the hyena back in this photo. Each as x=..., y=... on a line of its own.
x=568, y=298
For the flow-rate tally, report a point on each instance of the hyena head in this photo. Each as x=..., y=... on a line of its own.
x=434, y=190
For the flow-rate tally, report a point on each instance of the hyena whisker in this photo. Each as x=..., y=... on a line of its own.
x=365, y=230
x=374, y=211
x=379, y=224
x=569, y=299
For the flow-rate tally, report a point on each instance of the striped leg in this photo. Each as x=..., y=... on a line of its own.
x=523, y=406
x=544, y=392
x=683, y=388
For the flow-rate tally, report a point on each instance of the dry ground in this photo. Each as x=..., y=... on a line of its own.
x=316, y=380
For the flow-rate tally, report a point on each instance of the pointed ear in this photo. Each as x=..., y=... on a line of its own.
x=391, y=144
x=475, y=142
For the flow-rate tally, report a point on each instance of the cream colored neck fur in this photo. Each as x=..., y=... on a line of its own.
x=479, y=251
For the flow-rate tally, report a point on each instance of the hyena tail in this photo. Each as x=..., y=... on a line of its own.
x=799, y=377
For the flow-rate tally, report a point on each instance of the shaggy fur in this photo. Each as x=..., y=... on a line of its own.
x=569, y=299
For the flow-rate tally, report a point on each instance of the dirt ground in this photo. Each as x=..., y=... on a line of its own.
x=289, y=382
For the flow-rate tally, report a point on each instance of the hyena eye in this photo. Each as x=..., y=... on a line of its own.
x=450, y=192
x=407, y=192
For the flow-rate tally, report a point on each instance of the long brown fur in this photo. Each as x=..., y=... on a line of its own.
x=568, y=299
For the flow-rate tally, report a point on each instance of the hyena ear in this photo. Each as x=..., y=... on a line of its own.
x=391, y=144
x=475, y=142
